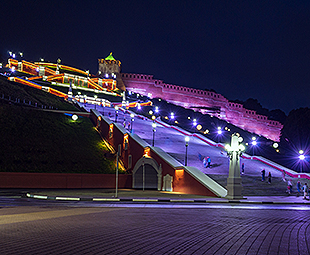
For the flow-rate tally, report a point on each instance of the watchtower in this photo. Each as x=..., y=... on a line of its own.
x=109, y=66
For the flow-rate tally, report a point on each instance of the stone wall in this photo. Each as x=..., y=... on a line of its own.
x=207, y=102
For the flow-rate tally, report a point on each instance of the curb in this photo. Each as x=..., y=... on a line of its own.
x=157, y=200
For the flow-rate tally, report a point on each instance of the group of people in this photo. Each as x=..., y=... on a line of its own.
x=263, y=172
x=304, y=189
x=206, y=161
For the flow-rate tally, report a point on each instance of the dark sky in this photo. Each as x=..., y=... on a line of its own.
x=241, y=49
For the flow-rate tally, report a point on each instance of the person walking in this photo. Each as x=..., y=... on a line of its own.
x=305, y=190
x=209, y=162
x=242, y=168
x=283, y=176
x=204, y=161
x=290, y=186
x=269, y=178
x=298, y=187
x=263, y=174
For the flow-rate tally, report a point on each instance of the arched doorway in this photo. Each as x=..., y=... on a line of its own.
x=146, y=174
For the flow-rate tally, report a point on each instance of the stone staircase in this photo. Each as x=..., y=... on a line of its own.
x=253, y=186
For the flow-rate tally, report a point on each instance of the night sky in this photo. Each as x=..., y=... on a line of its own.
x=240, y=49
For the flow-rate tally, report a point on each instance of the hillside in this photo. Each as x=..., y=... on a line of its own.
x=34, y=140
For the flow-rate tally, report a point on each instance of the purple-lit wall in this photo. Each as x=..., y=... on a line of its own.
x=188, y=97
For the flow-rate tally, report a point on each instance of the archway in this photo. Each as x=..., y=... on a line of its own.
x=147, y=174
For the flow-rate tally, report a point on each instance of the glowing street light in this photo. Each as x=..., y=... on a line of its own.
x=301, y=158
x=219, y=134
x=116, y=113
x=95, y=96
x=186, y=145
x=132, y=116
x=254, y=143
x=154, y=130
x=234, y=150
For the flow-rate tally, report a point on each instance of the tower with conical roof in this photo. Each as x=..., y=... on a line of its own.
x=110, y=68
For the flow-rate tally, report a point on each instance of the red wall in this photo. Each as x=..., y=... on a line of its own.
x=184, y=184
x=62, y=181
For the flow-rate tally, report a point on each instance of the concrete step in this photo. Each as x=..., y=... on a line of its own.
x=253, y=186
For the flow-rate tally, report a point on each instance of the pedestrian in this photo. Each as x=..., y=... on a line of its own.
x=289, y=184
x=209, y=162
x=204, y=162
x=200, y=157
x=283, y=176
x=242, y=168
x=263, y=174
x=269, y=178
x=298, y=187
x=305, y=190
x=288, y=190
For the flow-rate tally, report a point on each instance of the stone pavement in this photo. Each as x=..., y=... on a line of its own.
x=148, y=196
x=156, y=230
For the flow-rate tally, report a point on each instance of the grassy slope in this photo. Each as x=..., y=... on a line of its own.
x=38, y=141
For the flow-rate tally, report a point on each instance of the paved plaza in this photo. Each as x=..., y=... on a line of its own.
x=51, y=229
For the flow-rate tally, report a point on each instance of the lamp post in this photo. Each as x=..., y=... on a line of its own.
x=186, y=145
x=219, y=133
x=116, y=113
x=254, y=143
x=95, y=101
x=301, y=157
x=234, y=150
x=154, y=130
x=132, y=120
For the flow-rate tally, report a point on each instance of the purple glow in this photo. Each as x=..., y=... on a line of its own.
x=302, y=157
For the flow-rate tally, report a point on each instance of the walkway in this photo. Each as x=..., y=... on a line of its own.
x=172, y=142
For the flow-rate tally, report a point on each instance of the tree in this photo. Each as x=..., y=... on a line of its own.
x=295, y=134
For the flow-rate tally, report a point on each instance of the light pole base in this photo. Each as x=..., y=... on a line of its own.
x=234, y=188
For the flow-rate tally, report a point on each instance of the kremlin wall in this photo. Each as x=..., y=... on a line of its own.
x=206, y=102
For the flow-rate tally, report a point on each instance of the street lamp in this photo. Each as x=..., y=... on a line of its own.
x=95, y=101
x=254, y=143
x=234, y=150
x=154, y=130
x=186, y=145
x=116, y=113
x=132, y=120
x=301, y=157
x=219, y=133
